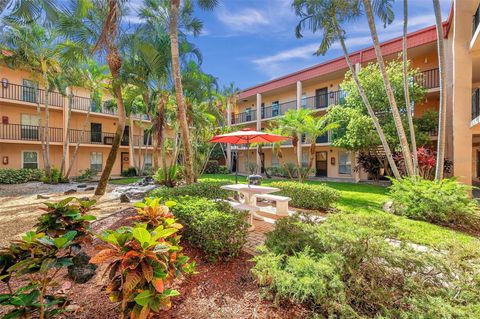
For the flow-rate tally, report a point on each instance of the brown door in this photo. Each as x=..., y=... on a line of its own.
x=321, y=164
x=125, y=164
x=321, y=98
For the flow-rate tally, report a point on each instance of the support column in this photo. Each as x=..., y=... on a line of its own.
x=462, y=92
x=259, y=128
x=65, y=124
x=229, y=147
x=299, y=106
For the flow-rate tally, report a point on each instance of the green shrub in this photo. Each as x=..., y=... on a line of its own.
x=214, y=168
x=22, y=175
x=442, y=202
x=129, y=172
x=308, y=196
x=55, y=177
x=172, y=176
x=213, y=226
x=357, y=266
x=207, y=189
x=86, y=175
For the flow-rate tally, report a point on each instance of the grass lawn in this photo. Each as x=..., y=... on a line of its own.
x=369, y=199
x=125, y=180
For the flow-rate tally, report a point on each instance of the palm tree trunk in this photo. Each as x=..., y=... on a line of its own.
x=406, y=88
x=365, y=100
x=313, y=147
x=442, y=111
x=77, y=146
x=296, y=142
x=114, y=64
x=182, y=116
x=48, y=168
x=131, y=145
x=67, y=135
x=388, y=88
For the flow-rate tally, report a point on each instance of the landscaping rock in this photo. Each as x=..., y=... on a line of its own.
x=388, y=207
x=81, y=185
x=124, y=198
x=91, y=188
x=82, y=270
x=146, y=181
x=70, y=191
x=84, y=199
x=40, y=196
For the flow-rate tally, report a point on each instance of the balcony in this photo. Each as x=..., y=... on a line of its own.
x=244, y=117
x=475, y=21
x=429, y=79
x=15, y=92
x=20, y=132
x=476, y=104
x=28, y=94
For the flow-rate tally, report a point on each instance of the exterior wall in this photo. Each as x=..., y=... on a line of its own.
x=13, y=152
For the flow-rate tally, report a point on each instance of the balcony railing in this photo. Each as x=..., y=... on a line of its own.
x=246, y=116
x=20, y=132
x=22, y=93
x=476, y=103
x=91, y=137
x=429, y=79
x=29, y=94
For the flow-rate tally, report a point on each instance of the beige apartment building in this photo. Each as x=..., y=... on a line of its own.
x=20, y=144
x=318, y=87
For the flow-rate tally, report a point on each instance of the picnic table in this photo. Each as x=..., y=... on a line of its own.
x=249, y=193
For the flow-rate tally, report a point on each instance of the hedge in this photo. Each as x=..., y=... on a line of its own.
x=308, y=196
x=207, y=189
x=21, y=175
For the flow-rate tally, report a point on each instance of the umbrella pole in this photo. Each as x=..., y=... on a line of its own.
x=236, y=167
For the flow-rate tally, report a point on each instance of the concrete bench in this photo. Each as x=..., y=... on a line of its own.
x=281, y=203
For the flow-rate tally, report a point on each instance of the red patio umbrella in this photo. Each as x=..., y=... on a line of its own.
x=247, y=136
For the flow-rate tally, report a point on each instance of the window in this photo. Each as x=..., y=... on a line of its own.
x=96, y=160
x=148, y=161
x=29, y=159
x=305, y=158
x=304, y=101
x=274, y=160
x=248, y=114
x=344, y=163
x=29, y=91
x=275, y=108
x=29, y=129
x=263, y=110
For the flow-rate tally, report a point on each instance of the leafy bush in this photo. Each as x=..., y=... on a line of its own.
x=214, y=168
x=143, y=261
x=308, y=196
x=22, y=175
x=171, y=177
x=55, y=177
x=443, y=202
x=208, y=189
x=357, y=266
x=213, y=226
x=86, y=175
x=37, y=259
x=130, y=172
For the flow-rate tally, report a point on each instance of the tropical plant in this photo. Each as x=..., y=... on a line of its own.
x=21, y=175
x=308, y=196
x=142, y=263
x=38, y=260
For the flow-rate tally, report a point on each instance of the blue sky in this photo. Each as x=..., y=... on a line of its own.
x=251, y=41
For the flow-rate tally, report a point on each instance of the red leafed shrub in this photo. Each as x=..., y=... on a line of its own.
x=427, y=159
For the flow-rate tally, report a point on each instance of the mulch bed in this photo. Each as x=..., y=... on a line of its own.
x=223, y=289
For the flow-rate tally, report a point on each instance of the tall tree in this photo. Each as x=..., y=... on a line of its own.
x=177, y=79
x=406, y=88
x=82, y=25
x=384, y=10
x=442, y=110
x=328, y=17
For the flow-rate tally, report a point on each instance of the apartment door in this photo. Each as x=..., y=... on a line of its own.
x=29, y=127
x=321, y=164
x=95, y=132
x=126, y=133
x=321, y=98
x=29, y=91
x=125, y=163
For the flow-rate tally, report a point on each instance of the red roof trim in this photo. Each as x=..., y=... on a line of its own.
x=416, y=38
x=449, y=21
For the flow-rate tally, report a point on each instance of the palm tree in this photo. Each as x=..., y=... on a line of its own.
x=82, y=26
x=38, y=50
x=27, y=11
x=388, y=15
x=406, y=86
x=442, y=111
x=277, y=150
x=177, y=78
x=313, y=127
x=327, y=16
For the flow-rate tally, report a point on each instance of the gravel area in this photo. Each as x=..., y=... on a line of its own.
x=20, y=207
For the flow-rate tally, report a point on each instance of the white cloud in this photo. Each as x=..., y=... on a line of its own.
x=242, y=20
